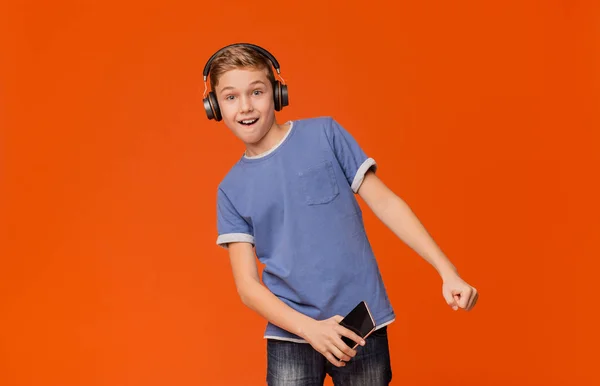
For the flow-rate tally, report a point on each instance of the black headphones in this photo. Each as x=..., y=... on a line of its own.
x=280, y=91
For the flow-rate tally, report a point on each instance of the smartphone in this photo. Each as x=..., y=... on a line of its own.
x=360, y=321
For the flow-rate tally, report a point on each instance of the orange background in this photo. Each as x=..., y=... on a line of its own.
x=484, y=116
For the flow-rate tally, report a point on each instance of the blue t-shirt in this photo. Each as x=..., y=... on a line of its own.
x=296, y=204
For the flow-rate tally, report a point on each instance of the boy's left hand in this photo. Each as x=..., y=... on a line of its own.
x=458, y=293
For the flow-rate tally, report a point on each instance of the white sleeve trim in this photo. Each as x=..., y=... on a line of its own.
x=360, y=173
x=224, y=240
x=285, y=339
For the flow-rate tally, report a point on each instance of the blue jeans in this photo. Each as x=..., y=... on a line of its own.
x=299, y=364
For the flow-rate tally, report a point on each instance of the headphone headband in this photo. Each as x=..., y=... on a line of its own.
x=253, y=46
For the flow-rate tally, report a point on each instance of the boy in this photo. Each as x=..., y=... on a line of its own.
x=291, y=197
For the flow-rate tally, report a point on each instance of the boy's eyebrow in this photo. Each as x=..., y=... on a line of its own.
x=251, y=84
x=258, y=81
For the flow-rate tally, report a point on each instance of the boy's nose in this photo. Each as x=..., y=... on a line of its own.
x=245, y=105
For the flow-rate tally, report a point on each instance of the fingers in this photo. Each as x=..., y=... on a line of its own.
x=473, y=300
x=347, y=351
x=336, y=350
x=465, y=296
x=340, y=353
x=450, y=299
x=342, y=350
x=343, y=331
x=339, y=349
x=468, y=299
x=465, y=299
x=333, y=360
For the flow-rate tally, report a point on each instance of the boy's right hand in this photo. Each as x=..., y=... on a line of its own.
x=325, y=337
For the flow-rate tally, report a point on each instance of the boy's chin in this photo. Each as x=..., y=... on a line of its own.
x=250, y=136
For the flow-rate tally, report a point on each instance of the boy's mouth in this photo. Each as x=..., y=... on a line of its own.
x=248, y=122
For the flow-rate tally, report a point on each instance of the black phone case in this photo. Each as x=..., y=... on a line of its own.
x=359, y=321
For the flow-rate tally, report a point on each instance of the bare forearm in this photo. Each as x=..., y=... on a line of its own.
x=401, y=220
x=259, y=299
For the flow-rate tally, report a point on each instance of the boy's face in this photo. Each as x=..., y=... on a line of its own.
x=246, y=100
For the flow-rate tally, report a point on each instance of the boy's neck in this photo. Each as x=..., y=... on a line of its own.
x=273, y=137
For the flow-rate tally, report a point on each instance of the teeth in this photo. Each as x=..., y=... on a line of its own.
x=248, y=121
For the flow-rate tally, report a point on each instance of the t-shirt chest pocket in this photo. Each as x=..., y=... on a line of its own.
x=319, y=184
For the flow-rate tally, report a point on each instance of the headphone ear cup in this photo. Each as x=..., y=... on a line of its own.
x=284, y=96
x=208, y=108
x=212, y=111
x=277, y=95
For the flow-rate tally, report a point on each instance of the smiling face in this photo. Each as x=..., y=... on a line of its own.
x=245, y=98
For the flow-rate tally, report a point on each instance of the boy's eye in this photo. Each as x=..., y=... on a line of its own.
x=229, y=97
x=257, y=92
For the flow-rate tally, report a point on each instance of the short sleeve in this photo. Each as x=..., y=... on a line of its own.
x=353, y=160
x=231, y=226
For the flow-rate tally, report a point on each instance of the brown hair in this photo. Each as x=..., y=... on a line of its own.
x=236, y=57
